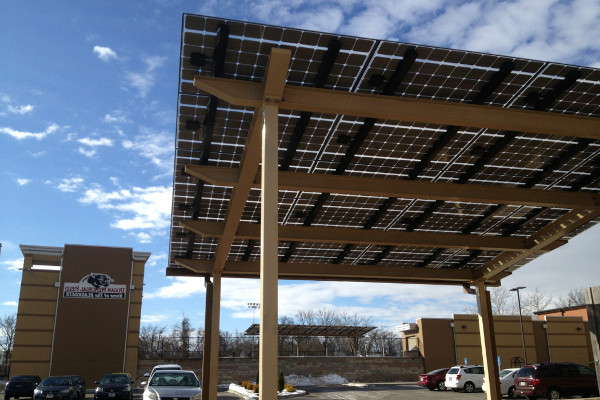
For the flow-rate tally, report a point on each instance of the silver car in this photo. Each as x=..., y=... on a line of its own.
x=173, y=384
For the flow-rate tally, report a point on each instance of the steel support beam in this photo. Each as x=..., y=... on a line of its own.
x=249, y=94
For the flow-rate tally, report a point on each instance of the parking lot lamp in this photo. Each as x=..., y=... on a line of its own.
x=516, y=289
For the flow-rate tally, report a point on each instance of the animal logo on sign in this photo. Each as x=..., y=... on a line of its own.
x=97, y=280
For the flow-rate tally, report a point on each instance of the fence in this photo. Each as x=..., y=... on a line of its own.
x=290, y=346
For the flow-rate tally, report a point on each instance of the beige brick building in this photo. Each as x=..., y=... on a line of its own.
x=79, y=311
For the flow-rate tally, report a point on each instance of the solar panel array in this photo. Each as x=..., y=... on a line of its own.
x=402, y=150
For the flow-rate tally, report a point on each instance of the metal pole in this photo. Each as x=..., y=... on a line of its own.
x=521, y=320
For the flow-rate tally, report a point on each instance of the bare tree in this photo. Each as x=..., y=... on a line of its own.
x=305, y=317
x=7, y=339
x=535, y=301
x=575, y=297
x=151, y=339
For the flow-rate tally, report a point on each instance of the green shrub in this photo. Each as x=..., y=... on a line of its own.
x=280, y=382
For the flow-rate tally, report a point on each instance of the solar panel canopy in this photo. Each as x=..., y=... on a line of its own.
x=397, y=162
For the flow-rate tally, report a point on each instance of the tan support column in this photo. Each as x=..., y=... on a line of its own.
x=488, y=342
x=207, y=340
x=214, y=337
x=269, y=255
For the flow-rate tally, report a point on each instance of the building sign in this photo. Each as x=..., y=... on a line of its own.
x=95, y=286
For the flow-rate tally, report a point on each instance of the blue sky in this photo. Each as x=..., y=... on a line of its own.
x=88, y=98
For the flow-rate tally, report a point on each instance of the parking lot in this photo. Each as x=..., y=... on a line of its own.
x=380, y=391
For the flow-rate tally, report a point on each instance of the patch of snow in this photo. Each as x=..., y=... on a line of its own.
x=332, y=379
x=247, y=394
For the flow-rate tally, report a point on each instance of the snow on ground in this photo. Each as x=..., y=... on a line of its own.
x=294, y=380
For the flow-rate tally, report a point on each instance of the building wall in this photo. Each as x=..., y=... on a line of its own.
x=69, y=321
x=353, y=369
x=437, y=343
x=570, y=312
x=556, y=339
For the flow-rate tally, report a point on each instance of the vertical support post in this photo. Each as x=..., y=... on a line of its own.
x=488, y=342
x=269, y=260
x=214, y=337
x=592, y=301
x=206, y=353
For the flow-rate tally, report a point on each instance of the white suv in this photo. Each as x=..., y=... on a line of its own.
x=467, y=377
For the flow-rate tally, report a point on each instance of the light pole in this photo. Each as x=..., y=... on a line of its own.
x=516, y=289
x=254, y=306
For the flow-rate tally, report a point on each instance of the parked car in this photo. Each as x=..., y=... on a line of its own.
x=80, y=384
x=434, y=380
x=21, y=386
x=161, y=367
x=507, y=382
x=173, y=384
x=56, y=387
x=555, y=380
x=114, y=386
x=467, y=377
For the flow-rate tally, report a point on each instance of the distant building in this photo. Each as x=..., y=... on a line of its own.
x=574, y=311
x=445, y=342
x=79, y=311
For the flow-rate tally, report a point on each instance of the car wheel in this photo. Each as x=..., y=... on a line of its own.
x=455, y=389
x=430, y=387
x=511, y=392
x=553, y=393
x=469, y=387
x=441, y=385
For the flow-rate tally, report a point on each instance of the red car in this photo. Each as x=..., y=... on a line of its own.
x=434, y=379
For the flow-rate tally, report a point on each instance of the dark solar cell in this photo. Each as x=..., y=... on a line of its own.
x=399, y=150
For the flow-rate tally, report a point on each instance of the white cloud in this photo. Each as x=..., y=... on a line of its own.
x=105, y=53
x=20, y=135
x=23, y=181
x=10, y=303
x=96, y=142
x=180, y=287
x=117, y=116
x=70, y=184
x=154, y=62
x=4, y=98
x=146, y=212
x=86, y=152
x=155, y=146
x=21, y=109
x=141, y=81
x=12, y=265
x=153, y=318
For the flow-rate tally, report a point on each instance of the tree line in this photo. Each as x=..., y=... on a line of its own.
x=182, y=341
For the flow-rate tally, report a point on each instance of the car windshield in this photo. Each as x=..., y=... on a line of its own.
x=115, y=380
x=56, y=381
x=435, y=371
x=174, y=379
x=525, y=372
x=505, y=372
x=23, y=378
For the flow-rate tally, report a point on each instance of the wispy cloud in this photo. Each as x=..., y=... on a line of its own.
x=20, y=135
x=70, y=184
x=10, y=303
x=105, y=53
x=96, y=142
x=154, y=318
x=144, y=212
x=23, y=181
x=117, y=116
x=143, y=81
x=12, y=265
x=86, y=152
x=21, y=109
x=156, y=146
